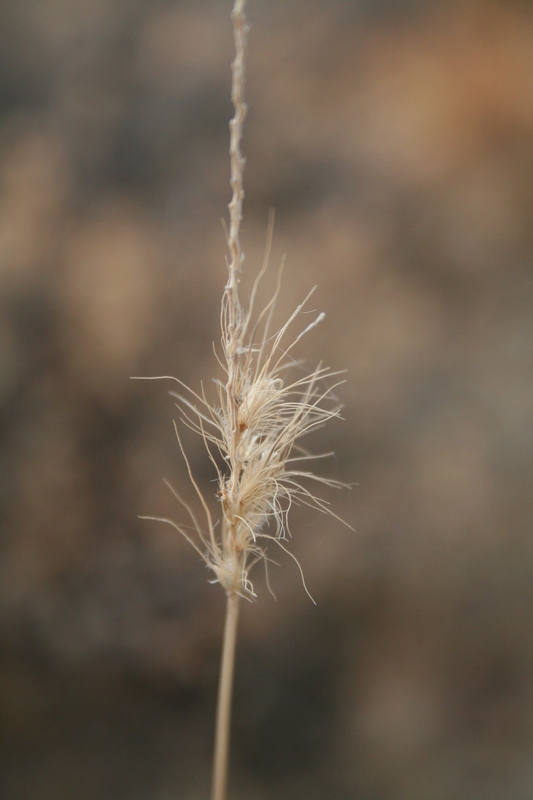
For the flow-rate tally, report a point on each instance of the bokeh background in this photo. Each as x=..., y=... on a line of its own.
x=395, y=141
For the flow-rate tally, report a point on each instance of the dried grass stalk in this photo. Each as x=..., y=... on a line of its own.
x=266, y=403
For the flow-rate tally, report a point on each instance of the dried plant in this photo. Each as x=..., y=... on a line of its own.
x=266, y=403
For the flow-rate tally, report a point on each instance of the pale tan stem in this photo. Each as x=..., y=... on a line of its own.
x=233, y=326
x=234, y=319
x=237, y=160
x=225, y=687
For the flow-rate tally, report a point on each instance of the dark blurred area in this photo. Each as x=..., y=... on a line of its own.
x=395, y=141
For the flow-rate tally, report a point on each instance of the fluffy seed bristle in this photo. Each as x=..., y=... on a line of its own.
x=255, y=427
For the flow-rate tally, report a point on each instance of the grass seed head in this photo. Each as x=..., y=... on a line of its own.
x=266, y=403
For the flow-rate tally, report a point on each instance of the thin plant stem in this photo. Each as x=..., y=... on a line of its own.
x=225, y=688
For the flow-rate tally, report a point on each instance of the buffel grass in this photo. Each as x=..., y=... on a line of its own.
x=266, y=402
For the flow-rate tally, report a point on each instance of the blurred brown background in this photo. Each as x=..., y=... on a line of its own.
x=394, y=140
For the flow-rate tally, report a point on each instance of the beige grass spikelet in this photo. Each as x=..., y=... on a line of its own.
x=265, y=405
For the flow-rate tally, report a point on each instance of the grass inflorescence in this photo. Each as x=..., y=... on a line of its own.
x=266, y=401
